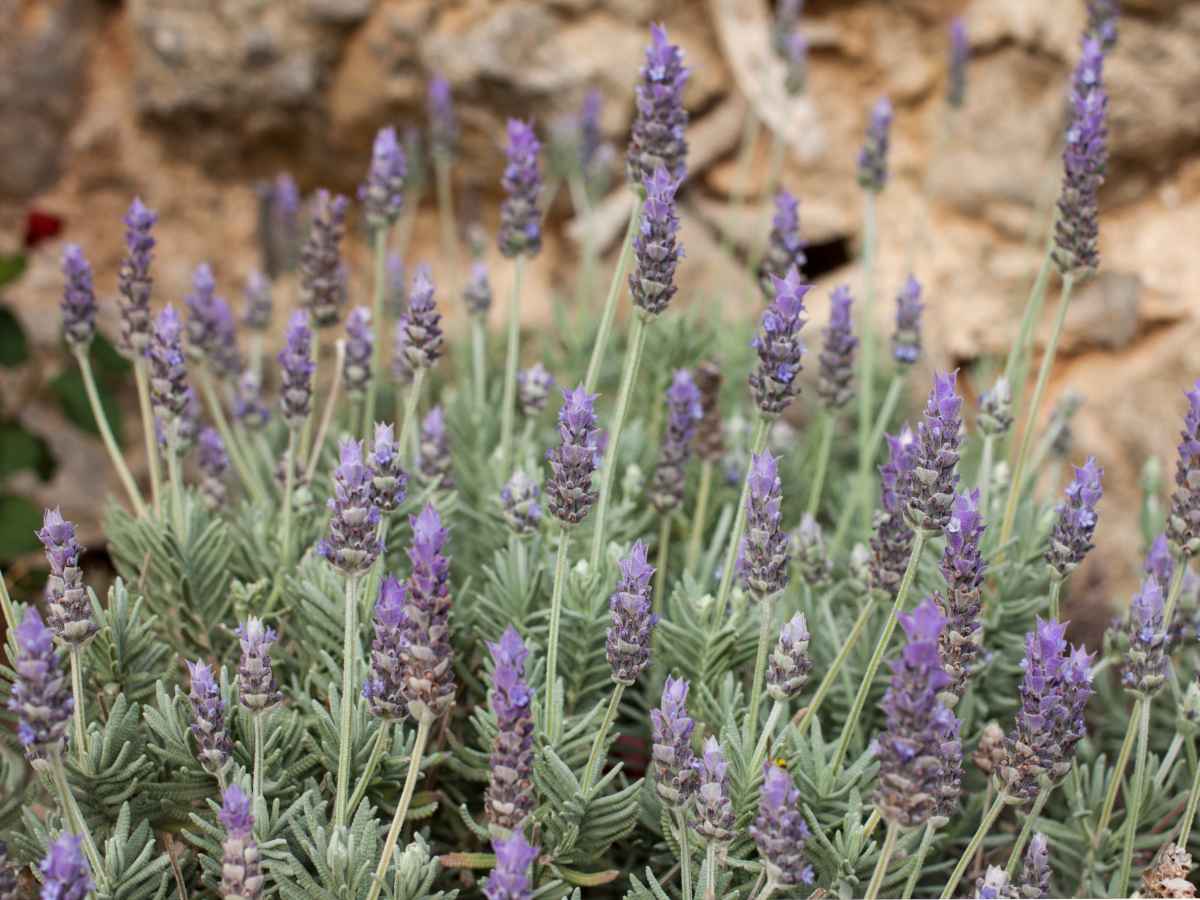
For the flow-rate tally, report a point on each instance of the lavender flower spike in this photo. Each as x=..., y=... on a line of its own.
x=764, y=552
x=509, y=880
x=808, y=549
x=683, y=414
x=213, y=745
x=248, y=407
x=168, y=372
x=434, y=461
x=353, y=544
x=873, y=158
x=521, y=215
x=210, y=328
x=259, y=307
x=785, y=247
x=443, y=126
x=835, y=377
x=1146, y=660
x=657, y=138
x=533, y=388
x=1102, y=22
x=296, y=389
x=278, y=224
x=213, y=462
x=510, y=788
x=388, y=479
x=963, y=567
x=66, y=874
x=478, y=291
x=322, y=278
x=933, y=479
x=425, y=654
x=891, y=541
x=714, y=820
x=656, y=248
x=960, y=52
x=789, y=665
x=41, y=696
x=241, y=864
x=779, y=830
x=519, y=503
x=1075, y=520
x=257, y=689
x=360, y=344
x=382, y=194
x=676, y=773
x=384, y=685
x=919, y=752
x=774, y=381
x=995, y=409
x=628, y=645
x=133, y=279
x=1035, y=870
x=419, y=331
x=710, y=436
x=79, y=298
x=70, y=607
x=569, y=489
x=1183, y=520
x=906, y=340
x=1077, y=230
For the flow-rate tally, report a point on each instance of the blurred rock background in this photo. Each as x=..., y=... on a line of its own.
x=189, y=102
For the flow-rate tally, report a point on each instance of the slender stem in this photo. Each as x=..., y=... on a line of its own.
x=739, y=521
x=583, y=207
x=289, y=483
x=315, y=355
x=441, y=165
x=1189, y=813
x=827, y=682
x=330, y=405
x=610, y=303
x=766, y=610
x=410, y=783
x=142, y=377
x=860, y=500
x=408, y=423
x=479, y=360
x=6, y=604
x=379, y=242
x=864, y=688
x=1015, y=366
x=685, y=854
x=251, y=483
x=257, y=780
x=760, y=749
x=382, y=739
x=985, y=825
x=885, y=857
x=77, y=712
x=660, y=570
x=633, y=358
x=553, y=726
x=511, y=356
x=818, y=483
x=78, y=824
x=866, y=378
x=1016, y=486
x=1056, y=586
x=1181, y=567
x=1133, y=803
x=699, y=517
x=710, y=856
x=1110, y=797
x=1018, y=848
x=176, y=482
x=983, y=478
x=106, y=435
x=349, y=646
x=610, y=715
x=919, y=861
x=768, y=889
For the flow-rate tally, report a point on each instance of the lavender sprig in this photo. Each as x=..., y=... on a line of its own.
x=1183, y=520
x=533, y=389
x=353, y=544
x=906, y=340
x=1077, y=230
x=382, y=194
x=389, y=481
x=835, y=377
x=519, y=503
x=213, y=744
x=683, y=414
x=419, y=338
x=1145, y=668
x=520, y=214
x=569, y=490
x=259, y=306
x=764, y=551
x=933, y=478
x=774, y=382
x=133, y=279
x=443, y=125
x=809, y=552
x=892, y=537
x=241, y=863
x=322, y=277
x=477, y=294
x=510, y=796
x=628, y=643
x=1034, y=882
x=295, y=360
x=656, y=247
x=873, y=158
x=67, y=600
x=963, y=567
x=425, y=654
x=710, y=436
x=657, y=138
x=675, y=767
x=1102, y=22
x=434, y=460
x=257, y=689
x=211, y=333
x=714, y=820
x=383, y=688
x=248, y=408
x=66, y=874
x=1075, y=520
x=168, y=372
x=509, y=880
x=789, y=665
x=41, y=695
x=779, y=830
x=360, y=345
x=785, y=246
x=995, y=409
x=279, y=224
x=79, y=298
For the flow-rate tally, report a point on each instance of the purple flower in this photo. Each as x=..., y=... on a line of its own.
x=807, y=547
x=1077, y=231
x=520, y=214
x=995, y=409
x=960, y=52
x=657, y=137
x=510, y=787
x=1183, y=520
x=360, y=344
x=388, y=478
x=764, y=552
x=259, y=306
x=785, y=247
x=789, y=665
x=656, y=247
x=213, y=463
x=279, y=224
x=628, y=644
x=993, y=885
x=384, y=686
x=714, y=819
x=213, y=745
x=519, y=503
x=933, y=479
x=774, y=381
x=572, y=464
x=533, y=388
x=396, y=292
x=133, y=279
x=257, y=689
x=919, y=751
x=41, y=695
x=1054, y=690
x=1102, y=22
x=382, y=194
x=353, y=544
x=1035, y=870
x=478, y=292
x=322, y=277
x=418, y=337
x=1145, y=667
x=683, y=415
x=873, y=158
x=835, y=375
x=779, y=830
x=906, y=341
x=241, y=864
x=963, y=567
x=509, y=880
x=434, y=461
x=211, y=332
x=1075, y=520
x=891, y=540
x=79, y=298
x=248, y=408
x=675, y=767
x=425, y=652
x=295, y=360
x=66, y=874
x=443, y=126
x=69, y=606
x=710, y=438
x=168, y=372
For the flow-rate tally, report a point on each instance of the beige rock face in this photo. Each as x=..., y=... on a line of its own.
x=188, y=103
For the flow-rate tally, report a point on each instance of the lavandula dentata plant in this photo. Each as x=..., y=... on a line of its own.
x=509, y=880
x=510, y=797
x=257, y=689
x=780, y=833
x=963, y=567
x=786, y=675
x=383, y=688
x=213, y=744
x=241, y=863
x=1074, y=522
x=714, y=816
x=666, y=489
x=419, y=339
x=297, y=371
x=433, y=460
x=835, y=381
x=519, y=504
x=1102, y=22
x=785, y=246
x=676, y=772
x=169, y=396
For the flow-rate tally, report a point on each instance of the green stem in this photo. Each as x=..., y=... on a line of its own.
x=76, y=821
x=77, y=712
x=1189, y=813
x=289, y=484
x=685, y=855
x=142, y=378
x=633, y=358
x=257, y=779
x=1016, y=486
x=1018, y=848
x=6, y=604
x=699, y=517
x=1181, y=567
x=860, y=500
x=1056, y=586
x=345, y=736
x=479, y=360
x=739, y=521
x=377, y=750
x=710, y=856
x=766, y=610
x=1015, y=369
x=379, y=242
x=872, y=823
x=410, y=783
x=106, y=435
x=553, y=726
x=176, y=480
x=610, y=303
x=660, y=570
x=885, y=857
x=610, y=715
x=410, y=410
x=984, y=477
x=509, y=403
x=760, y=749
x=1133, y=803
x=985, y=825
x=818, y=483
x=919, y=861
x=330, y=405
x=864, y=688
x=1110, y=797
x=231, y=445
x=866, y=378
x=315, y=356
